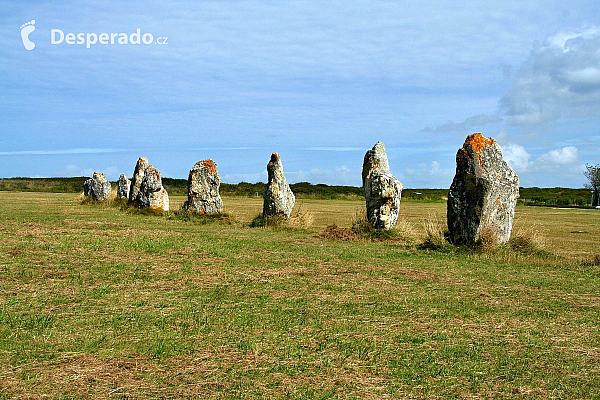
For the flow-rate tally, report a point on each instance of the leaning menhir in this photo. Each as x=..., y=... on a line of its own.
x=382, y=189
x=483, y=195
x=146, y=190
x=278, y=197
x=97, y=187
x=138, y=176
x=124, y=186
x=203, y=189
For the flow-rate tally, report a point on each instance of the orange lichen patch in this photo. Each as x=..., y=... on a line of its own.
x=274, y=158
x=210, y=166
x=152, y=170
x=477, y=141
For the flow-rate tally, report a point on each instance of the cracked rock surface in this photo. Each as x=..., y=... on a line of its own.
x=203, y=189
x=278, y=197
x=97, y=187
x=484, y=192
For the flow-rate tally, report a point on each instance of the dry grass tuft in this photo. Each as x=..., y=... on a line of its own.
x=406, y=230
x=488, y=241
x=593, y=261
x=301, y=218
x=359, y=217
x=112, y=196
x=260, y=221
x=361, y=226
x=527, y=239
x=435, y=233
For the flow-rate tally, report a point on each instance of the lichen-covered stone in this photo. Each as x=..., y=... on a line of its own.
x=278, y=197
x=136, y=181
x=97, y=187
x=87, y=187
x=383, y=190
x=484, y=192
x=203, y=189
x=124, y=186
x=151, y=193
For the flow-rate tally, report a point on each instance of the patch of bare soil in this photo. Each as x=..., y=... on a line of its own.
x=336, y=233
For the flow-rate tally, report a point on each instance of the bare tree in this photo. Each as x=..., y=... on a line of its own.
x=592, y=173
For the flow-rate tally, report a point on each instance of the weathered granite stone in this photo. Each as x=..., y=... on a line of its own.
x=382, y=189
x=278, y=197
x=87, y=187
x=97, y=187
x=152, y=194
x=124, y=186
x=483, y=195
x=136, y=181
x=203, y=189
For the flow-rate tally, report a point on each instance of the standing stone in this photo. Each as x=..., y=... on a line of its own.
x=483, y=195
x=138, y=176
x=278, y=197
x=124, y=186
x=203, y=189
x=87, y=187
x=97, y=187
x=152, y=194
x=382, y=189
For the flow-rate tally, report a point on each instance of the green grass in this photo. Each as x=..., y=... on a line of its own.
x=99, y=302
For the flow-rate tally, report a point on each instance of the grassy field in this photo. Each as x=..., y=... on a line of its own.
x=96, y=302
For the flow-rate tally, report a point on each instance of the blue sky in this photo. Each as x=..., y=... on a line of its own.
x=317, y=81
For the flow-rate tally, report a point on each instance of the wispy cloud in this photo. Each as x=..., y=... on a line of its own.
x=64, y=151
x=220, y=148
x=336, y=149
x=468, y=124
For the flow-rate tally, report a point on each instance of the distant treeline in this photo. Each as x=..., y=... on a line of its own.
x=55, y=185
x=534, y=195
x=301, y=189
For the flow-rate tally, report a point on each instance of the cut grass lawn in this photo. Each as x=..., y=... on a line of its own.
x=96, y=302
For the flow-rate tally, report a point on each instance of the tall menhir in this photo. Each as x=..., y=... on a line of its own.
x=484, y=192
x=382, y=189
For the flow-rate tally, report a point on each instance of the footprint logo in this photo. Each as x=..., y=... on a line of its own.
x=26, y=29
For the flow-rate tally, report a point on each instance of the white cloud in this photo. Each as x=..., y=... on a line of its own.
x=559, y=157
x=559, y=78
x=516, y=156
x=563, y=160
